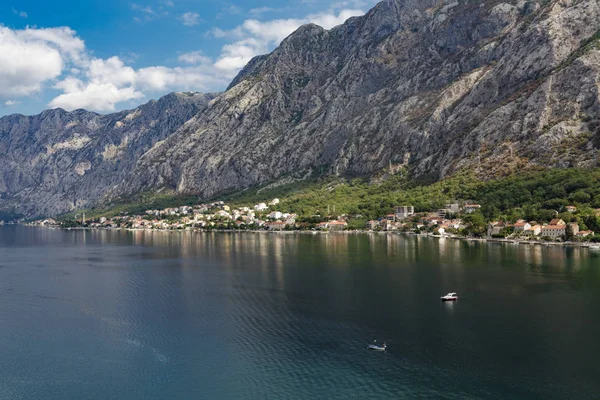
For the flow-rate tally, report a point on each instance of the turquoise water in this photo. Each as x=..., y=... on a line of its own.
x=156, y=315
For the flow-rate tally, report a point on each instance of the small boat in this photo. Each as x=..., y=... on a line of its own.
x=376, y=346
x=450, y=297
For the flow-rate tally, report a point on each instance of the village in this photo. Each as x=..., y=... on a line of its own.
x=459, y=219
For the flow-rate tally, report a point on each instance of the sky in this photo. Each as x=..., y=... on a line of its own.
x=110, y=55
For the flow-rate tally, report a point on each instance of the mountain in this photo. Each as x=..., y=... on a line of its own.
x=437, y=86
x=58, y=161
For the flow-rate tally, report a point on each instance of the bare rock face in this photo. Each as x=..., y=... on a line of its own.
x=437, y=85
x=59, y=161
x=440, y=85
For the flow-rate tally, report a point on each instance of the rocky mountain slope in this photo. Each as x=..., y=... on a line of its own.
x=59, y=161
x=436, y=85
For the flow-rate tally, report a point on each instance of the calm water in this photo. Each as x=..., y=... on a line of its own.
x=143, y=315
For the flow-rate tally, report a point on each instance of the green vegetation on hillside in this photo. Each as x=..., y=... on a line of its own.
x=532, y=196
x=539, y=196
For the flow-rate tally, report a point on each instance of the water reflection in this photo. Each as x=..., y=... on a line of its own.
x=233, y=315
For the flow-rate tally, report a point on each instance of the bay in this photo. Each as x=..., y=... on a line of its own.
x=169, y=315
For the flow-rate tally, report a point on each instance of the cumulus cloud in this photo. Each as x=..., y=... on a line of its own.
x=258, y=37
x=190, y=19
x=96, y=96
x=194, y=57
x=109, y=82
x=33, y=59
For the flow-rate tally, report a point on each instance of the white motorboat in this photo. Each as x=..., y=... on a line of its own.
x=450, y=297
x=376, y=346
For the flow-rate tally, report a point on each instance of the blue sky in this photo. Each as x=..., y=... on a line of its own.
x=111, y=55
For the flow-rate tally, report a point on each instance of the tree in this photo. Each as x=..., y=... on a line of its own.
x=569, y=233
x=581, y=197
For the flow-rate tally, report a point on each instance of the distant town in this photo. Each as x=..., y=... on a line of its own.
x=459, y=219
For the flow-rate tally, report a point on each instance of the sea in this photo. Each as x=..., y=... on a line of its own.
x=101, y=314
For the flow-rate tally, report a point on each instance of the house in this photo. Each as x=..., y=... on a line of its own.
x=442, y=212
x=323, y=225
x=554, y=231
x=261, y=207
x=222, y=214
x=495, y=228
x=557, y=221
x=471, y=208
x=534, y=230
x=574, y=228
x=337, y=225
x=185, y=210
x=522, y=226
x=276, y=226
x=571, y=209
x=391, y=217
x=274, y=202
x=431, y=220
x=403, y=212
x=386, y=224
x=582, y=234
x=449, y=208
x=275, y=215
x=372, y=225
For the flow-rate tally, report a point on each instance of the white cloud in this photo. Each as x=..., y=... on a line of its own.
x=31, y=57
x=64, y=39
x=144, y=9
x=10, y=103
x=21, y=14
x=190, y=18
x=194, y=57
x=93, y=96
x=111, y=71
x=255, y=12
x=258, y=37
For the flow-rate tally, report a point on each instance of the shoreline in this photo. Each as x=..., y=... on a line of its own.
x=588, y=245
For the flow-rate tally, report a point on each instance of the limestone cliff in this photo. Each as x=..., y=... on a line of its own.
x=59, y=161
x=436, y=85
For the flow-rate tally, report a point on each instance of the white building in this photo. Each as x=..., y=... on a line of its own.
x=275, y=215
x=261, y=207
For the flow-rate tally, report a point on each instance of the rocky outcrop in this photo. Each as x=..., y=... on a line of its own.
x=437, y=85
x=59, y=161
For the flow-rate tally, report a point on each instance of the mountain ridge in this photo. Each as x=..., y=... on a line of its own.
x=423, y=83
x=57, y=160
x=435, y=86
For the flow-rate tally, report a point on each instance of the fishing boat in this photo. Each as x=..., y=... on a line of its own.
x=376, y=346
x=450, y=297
